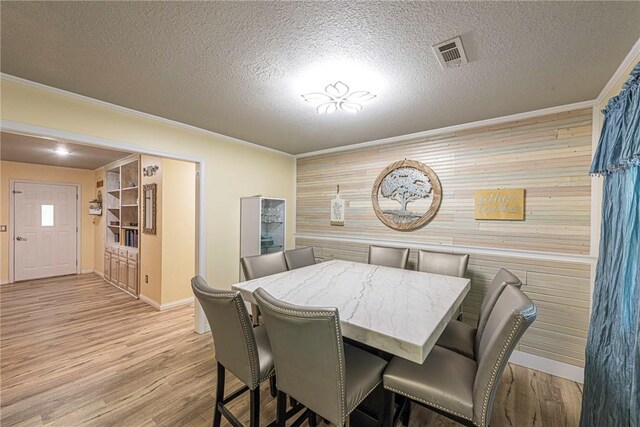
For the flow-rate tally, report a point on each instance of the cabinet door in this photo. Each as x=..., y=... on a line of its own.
x=122, y=273
x=107, y=266
x=113, y=273
x=132, y=277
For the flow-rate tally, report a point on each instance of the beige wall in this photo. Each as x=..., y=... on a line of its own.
x=48, y=174
x=98, y=225
x=233, y=170
x=168, y=258
x=178, y=229
x=151, y=244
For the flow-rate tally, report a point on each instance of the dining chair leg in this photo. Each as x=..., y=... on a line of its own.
x=312, y=419
x=387, y=414
x=281, y=415
x=254, y=401
x=407, y=413
x=255, y=315
x=272, y=386
x=217, y=415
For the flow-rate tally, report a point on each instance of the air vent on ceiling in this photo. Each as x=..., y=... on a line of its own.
x=450, y=53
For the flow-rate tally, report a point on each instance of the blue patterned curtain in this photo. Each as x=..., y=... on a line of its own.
x=612, y=371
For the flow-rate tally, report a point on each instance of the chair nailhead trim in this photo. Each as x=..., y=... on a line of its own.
x=494, y=372
x=428, y=403
x=252, y=357
x=267, y=377
x=364, y=397
x=343, y=414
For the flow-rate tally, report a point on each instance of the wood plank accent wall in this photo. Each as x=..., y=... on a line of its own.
x=549, y=156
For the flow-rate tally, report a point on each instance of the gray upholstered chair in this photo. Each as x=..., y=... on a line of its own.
x=443, y=263
x=313, y=366
x=239, y=348
x=258, y=266
x=455, y=386
x=388, y=257
x=464, y=339
x=298, y=258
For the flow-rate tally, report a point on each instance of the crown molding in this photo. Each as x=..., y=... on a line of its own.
x=626, y=63
x=121, y=109
x=455, y=128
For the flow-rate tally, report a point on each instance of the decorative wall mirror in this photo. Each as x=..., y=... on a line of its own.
x=403, y=183
x=149, y=208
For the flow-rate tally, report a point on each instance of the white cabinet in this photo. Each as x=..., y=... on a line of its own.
x=121, y=267
x=262, y=226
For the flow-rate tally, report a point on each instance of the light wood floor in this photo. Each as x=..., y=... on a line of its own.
x=76, y=351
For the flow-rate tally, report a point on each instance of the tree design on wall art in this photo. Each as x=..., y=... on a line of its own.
x=412, y=185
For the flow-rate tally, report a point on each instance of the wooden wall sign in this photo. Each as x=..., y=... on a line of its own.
x=406, y=182
x=500, y=204
x=337, y=209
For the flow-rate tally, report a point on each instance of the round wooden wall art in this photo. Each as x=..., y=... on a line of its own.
x=412, y=185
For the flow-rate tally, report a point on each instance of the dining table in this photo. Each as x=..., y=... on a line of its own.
x=398, y=311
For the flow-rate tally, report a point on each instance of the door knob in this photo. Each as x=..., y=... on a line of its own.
x=21, y=239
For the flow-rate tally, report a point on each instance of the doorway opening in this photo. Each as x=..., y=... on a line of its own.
x=83, y=206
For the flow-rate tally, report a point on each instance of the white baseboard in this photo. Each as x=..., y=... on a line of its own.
x=87, y=271
x=177, y=303
x=99, y=273
x=166, y=306
x=149, y=301
x=4, y=282
x=553, y=367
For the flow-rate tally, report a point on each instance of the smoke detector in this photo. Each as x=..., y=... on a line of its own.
x=450, y=53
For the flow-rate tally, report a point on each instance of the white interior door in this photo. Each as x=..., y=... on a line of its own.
x=45, y=230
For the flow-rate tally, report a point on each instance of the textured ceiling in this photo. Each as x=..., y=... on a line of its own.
x=239, y=68
x=30, y=149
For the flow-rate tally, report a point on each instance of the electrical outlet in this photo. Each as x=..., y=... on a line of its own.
x=146, y=278
x=3, y=228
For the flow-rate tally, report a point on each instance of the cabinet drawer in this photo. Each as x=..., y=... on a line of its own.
x=110, y=249
x=122, y=252
x=133, y=256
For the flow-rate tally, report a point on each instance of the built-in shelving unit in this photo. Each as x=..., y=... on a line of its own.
x=122, y=228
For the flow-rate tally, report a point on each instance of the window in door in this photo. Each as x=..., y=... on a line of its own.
x=47, y=216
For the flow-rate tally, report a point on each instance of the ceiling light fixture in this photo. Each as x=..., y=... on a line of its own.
x=338, y=96
x=61, y=151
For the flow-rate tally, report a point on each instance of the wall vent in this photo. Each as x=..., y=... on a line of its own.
x=450, y=53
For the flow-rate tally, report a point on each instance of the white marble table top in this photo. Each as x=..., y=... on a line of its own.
x=402, y=312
